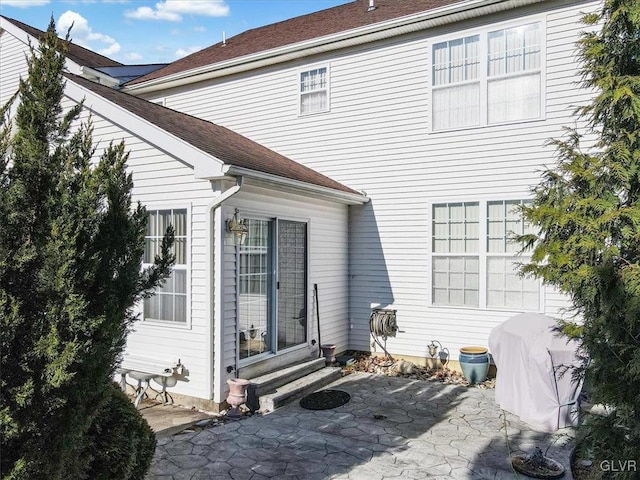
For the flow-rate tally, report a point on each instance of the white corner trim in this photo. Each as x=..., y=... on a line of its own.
x=204, y=165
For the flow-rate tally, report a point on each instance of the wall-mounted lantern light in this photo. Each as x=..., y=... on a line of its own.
x=237, y=226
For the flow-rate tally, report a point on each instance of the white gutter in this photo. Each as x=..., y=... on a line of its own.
x=298, y=186
x=378, y=31
x=215, y=329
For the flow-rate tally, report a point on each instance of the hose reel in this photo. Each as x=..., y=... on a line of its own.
x=383, y=324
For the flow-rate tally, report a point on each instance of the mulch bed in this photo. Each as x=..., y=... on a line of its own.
x=405, y=369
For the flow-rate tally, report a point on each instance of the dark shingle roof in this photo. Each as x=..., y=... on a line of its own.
x=333, y=20
x=78, y=54
x=220, y=142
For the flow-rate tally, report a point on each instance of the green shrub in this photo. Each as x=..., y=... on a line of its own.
x=122, y=443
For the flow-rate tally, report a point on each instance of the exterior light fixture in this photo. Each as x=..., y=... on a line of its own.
x=433, y=348
x=237, y=226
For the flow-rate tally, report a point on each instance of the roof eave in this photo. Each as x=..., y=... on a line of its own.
x=296, y=186
x=378, y=31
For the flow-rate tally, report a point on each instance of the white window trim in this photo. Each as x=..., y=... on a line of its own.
x=483, y=78
x=482, y=257
x=327, y=89
x=166, y=324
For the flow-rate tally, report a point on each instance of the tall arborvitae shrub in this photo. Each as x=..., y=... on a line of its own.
x=71, y=246
x=587, y=210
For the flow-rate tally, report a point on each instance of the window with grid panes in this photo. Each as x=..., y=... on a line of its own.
x=460, y=258
x=169, y=302
x=505, y=288
x=455, y=258
x=492, y=77
x=314, y=91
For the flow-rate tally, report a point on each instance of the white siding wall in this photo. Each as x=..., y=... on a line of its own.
x=13, y=64
x=327, y=262
x=162, y=181
x=377, y=138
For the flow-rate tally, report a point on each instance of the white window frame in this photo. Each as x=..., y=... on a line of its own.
x=326, y=89
x=483, y=77
x=186, y=325
x=483, y=254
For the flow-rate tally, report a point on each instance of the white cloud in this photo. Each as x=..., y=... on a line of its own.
x=110, y=50
x=199, y=29
x=148, y=13
x=183, y=52
x=133, y=56
x=82, y=34
x=25, y=3
x=173, y=10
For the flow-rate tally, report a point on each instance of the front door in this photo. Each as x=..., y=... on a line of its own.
x=272, y=287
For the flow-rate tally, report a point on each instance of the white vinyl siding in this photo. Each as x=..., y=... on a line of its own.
x=13, y=55
x=488, y=78
x=169, y=303
x=314, y=91
x=162, y=182
x=374, y=140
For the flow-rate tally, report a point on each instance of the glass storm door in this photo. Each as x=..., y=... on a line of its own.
x=292, y=284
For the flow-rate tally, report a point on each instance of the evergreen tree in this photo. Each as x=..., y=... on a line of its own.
x=587, y=211
x=71, y=246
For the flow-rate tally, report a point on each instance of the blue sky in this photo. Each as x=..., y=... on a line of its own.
x=161, y=31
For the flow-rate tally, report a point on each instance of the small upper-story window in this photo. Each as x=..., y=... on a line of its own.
x=314, y=91
x=169, y=302
x=488, y=78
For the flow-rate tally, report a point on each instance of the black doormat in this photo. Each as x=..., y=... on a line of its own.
x=325, y=399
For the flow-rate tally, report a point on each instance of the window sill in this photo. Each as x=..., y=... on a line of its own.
x=486, y=125
x=165, y=324
x=448, y=308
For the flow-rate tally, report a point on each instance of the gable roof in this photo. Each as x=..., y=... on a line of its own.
x=225, y=145
x=78, y=54
x=315, y=25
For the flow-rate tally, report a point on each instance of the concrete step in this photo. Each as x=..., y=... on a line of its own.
x=299, y=388
x=271, y=381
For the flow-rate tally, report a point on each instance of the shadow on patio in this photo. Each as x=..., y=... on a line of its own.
x=392, y=427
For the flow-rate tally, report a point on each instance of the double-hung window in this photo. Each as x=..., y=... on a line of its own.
x=455, y=254
x=474, y=262
x=456, y=83
x=169, y=302
x=314, y=91
x=488, y=78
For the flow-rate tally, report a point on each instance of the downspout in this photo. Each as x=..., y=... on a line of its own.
x=216, y=335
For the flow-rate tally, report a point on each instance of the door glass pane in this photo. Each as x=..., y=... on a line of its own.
x=254, y=287
x=292, y=283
